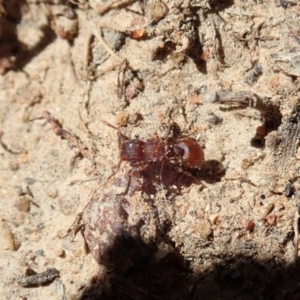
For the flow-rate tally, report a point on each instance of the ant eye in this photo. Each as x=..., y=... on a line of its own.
x=191, y=152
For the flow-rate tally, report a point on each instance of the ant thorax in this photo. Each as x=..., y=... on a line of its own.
x=154, y=150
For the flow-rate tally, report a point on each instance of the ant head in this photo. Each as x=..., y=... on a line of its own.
x=190, y=153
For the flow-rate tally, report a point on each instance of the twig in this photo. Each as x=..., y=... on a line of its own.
x=242, y=98
x=41, y=278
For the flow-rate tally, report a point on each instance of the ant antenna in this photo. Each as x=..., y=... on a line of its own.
x=116, y=128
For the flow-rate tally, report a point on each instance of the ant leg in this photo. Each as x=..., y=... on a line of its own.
x=127, y=186
x=134, y=173
x=186, y=174
x=172, y=131
x=113, y=174
x=70, y=137
x=121, y=138
x=161, y=181
x=74, y=228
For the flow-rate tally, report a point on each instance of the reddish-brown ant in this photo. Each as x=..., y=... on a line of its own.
x=182, y=153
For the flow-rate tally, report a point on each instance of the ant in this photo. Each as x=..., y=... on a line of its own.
x=171, y=154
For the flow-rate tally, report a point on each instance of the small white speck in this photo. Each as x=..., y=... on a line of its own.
x=198, y=136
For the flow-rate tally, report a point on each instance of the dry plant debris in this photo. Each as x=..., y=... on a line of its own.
x=41, y=278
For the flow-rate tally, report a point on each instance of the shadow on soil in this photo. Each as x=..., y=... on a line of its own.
x=14, y=55
x=135, y=273
x=136, y=270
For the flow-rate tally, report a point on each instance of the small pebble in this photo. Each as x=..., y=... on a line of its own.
x=209, y=96
x=203, y=228
x=114, y=39
x=39, y=252
x=248, y=225
x=139, y=33
x=22, y=204
x=23, y=158
x=14, y=166
x=280, y=189
x=203, y=89
x=137, y=21
x=77, y=252
x=214, y=119
x=6, y=240
x=159, y=12
x=130, y=92
x=65, y=27
x=122, y=119
x=75, y=271
x=249, y=237
x=60, y=253
x=20, y=218
x=195, y=99
x=51, y=192
x=271, y=219
x=214, y=218
x=25, y=116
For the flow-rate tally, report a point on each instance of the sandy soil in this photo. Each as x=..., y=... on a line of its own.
x=142, y=66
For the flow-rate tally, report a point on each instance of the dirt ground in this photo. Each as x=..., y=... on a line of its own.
x=227, y=72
